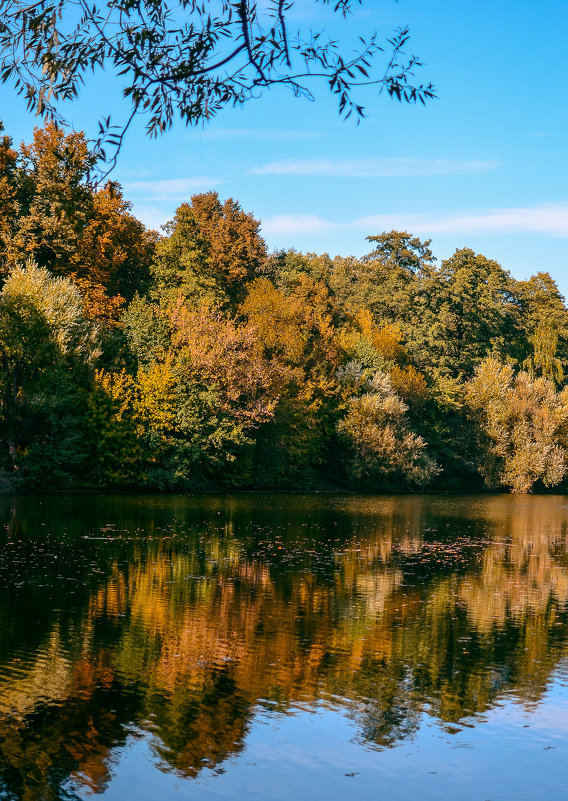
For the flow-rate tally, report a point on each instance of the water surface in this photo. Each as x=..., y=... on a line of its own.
x=280, y=647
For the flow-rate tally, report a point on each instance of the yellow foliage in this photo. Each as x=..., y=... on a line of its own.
x=120, y=388
x=114, y=428
x=521, y=425
x=156, y=397
x=276, y=320
x=386, y=340
x=409, y=383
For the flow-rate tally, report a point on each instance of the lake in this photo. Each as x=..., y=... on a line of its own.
x=284, y=647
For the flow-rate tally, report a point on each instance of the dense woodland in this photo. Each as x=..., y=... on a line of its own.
x=195, y=359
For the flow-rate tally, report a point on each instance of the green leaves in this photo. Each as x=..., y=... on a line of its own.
x=186, y=59
x=47, y=349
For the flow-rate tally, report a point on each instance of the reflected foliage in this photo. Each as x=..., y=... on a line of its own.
x=177, y=619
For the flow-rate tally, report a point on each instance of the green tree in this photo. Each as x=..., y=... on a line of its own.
x=543, y=360
x=47, y=351
x=545, y=322
x=113, y=434
x=286, y=268
x=388, y=280
x=471, y=310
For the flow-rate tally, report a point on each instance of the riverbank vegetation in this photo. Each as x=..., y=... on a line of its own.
x=195, y=359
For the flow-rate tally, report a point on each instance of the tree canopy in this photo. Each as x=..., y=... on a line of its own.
x=196, y=359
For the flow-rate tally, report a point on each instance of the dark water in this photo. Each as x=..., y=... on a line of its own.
x=273, y=647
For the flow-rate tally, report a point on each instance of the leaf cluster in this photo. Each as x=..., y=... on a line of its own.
x=188, y=59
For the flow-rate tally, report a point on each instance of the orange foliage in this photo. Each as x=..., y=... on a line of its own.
x=49, y=212
x=409, y=383
x=114, y=250
x=234, y=247
x=224, y=356
x=99, y=306
x=8, y=199
x=211, y=245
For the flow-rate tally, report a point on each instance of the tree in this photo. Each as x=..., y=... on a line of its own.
x=543, y=360
x=9, y=196
x=545, y=321
x=521, y=425
x=388, y=280
x=471, y=309
x=212, y=251
x=202, y=389
x=188, y=58
x=296, y=329
x=113, y=255
x=51, y=213
x=57, y=198
x=47, y=350
x=371, y=346
x=380, y=447
x=113, y=431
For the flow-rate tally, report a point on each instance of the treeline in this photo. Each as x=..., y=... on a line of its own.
x=195, y=359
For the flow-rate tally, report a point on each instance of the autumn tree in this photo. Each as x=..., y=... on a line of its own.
x=50, y=212
x=112, y=259
x=58, y=201
x=212, y=249
x=222, y=387
x=203, y=388
x=372, y=346
x=521, y=427
x=297, y=330
x=380, y=449
x=9, y=198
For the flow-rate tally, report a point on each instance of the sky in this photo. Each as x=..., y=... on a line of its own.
x=484, y=166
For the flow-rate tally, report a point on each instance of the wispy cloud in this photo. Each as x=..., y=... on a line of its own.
x=375, y=168
x=258, y=133
x=152, y=216
x=171, y=189
x=283, y=224
x=549, y=220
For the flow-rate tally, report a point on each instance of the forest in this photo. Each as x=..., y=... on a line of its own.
x=194, y=359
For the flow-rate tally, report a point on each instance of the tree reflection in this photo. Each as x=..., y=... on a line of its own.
x=183, y=622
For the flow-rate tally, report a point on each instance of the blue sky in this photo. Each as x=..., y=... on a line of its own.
x=485, y=166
